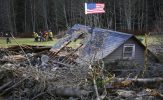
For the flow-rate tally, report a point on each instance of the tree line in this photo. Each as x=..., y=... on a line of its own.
x=57, y=15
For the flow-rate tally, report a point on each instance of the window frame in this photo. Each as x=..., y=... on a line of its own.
x=133, y=51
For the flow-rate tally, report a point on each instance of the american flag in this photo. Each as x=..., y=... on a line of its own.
x=91, y=8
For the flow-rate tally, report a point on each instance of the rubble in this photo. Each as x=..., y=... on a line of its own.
x=28, y=82
x=47, y=74
x=40, y=74
x=51, y=73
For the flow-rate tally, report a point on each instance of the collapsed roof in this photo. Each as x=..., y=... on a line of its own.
x=97, y=44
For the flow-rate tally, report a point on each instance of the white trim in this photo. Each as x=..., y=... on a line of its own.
x=133, y=51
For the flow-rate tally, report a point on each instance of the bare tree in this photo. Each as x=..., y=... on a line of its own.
x=36, y=15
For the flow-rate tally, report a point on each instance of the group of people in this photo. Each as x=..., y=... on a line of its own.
x=43, y=36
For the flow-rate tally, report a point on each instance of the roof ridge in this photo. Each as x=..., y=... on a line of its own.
x=120, y=32
x=102, y=29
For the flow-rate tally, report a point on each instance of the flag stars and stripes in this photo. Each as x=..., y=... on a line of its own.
x=91, y=8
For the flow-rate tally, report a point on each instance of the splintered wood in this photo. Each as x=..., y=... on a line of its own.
x=14, y=58
x=63, y=54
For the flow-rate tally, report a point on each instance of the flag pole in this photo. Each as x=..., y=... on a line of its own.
x=85, y=7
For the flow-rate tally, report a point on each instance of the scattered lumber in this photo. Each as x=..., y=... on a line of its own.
x=147, y=92
x=28, y=48
x=5, y=85
x=141, y=80
x=123, y=82
x=14, y=58
x=13, y=86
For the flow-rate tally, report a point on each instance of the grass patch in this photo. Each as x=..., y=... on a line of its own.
x=152, y=39
x=30, y=41
x=74, y=44
x=25, y=41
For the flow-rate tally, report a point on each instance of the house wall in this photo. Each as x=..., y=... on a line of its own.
x=118, y=53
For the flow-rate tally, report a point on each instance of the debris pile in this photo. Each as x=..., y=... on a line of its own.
x=37, y=74
x=28, y=82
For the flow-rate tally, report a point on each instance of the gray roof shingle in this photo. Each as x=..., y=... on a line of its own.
x=100, y=42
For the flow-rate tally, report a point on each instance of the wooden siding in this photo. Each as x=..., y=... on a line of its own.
x=118, y=53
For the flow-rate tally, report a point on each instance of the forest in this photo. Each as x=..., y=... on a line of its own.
x=135, y=16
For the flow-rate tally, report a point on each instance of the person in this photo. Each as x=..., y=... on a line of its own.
x=41, y=37
x=7, y=38
x=1, y=34
x=50, y=35
x=46, y=35
x=36, y=37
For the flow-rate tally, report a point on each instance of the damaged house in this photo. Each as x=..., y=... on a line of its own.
x=98, y=43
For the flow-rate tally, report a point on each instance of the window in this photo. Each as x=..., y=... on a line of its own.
x=129, y=51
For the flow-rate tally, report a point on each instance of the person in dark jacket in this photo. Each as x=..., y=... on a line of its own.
x=8, y=38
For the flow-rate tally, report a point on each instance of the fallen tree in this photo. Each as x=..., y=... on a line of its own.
x=123, y=82
x=140, y=80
